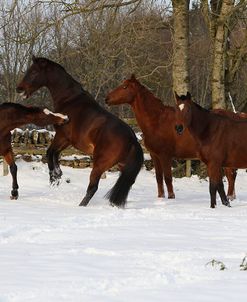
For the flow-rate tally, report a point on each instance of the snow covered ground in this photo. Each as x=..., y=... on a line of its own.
x=154, y=250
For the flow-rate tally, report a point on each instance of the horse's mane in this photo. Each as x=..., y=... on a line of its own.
x=38, y=59
x=57, y=65
x=201, y=108
x=19, y=107
x=147, y=90
x=185, y=98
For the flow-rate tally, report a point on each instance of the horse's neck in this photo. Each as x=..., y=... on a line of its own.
x=63, y=89
x=199, y=123
x=20, y=117
x=147, y=109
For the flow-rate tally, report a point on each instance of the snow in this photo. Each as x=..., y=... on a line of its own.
x=75, y=156
x=154, y=250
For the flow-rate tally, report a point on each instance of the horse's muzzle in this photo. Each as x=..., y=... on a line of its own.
x=22, y=92
x=179, y=129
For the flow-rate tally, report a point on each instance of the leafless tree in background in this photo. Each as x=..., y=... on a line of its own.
x=101, y=42
x=180, y=72
x=223, y=19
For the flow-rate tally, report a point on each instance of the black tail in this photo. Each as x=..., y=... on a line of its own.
x=118, y=194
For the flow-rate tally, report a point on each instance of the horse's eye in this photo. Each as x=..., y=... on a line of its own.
x=125, y=86
x=33, y=74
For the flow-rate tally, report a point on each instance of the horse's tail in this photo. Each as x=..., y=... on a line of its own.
x=118, y=194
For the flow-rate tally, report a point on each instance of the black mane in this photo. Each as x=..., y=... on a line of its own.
x=17, y=106
x=40, y=59
x=57, y=65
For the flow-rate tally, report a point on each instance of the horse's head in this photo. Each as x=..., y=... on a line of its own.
x=183, y=112
x=123, y=94
x=34, y=78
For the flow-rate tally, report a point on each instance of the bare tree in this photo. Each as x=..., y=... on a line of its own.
x=14, y=53
x=222, y=18
x=180, y=46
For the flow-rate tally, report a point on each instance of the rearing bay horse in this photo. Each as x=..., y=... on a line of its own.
x=15, y=115
x=91, y=129
x=157, y=123
x=221, y=141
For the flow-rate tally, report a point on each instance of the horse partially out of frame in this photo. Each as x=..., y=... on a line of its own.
x=91, y=129
x=157, y=123
x=221, y=141
x=15, y=115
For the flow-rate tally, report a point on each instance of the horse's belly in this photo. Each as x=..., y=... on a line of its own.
x=237, y=158
x=85, y=148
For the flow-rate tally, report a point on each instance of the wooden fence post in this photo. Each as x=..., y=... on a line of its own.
x=188, y=168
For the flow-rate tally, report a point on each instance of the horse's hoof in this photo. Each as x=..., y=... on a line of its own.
x=14, y=195
x=212, y=206
x=231, y=197
x=55, y=182
x=227, y=204
x=116, y=206
x=83, y=204
x=171, y=196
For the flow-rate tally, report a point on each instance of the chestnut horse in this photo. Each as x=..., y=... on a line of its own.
x=91, y=129
x=15, y=115
x=157, y=123
x=221, y=141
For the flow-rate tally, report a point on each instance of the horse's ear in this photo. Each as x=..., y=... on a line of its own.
x=33, y=58
x=176, y=96
x=188, y=95
x=133, y=77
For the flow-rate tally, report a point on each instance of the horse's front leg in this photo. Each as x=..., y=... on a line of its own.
x=158, y=174
x=222, y=193
x=55, y=174
x=216, y=184
x=167, y=168
x=9, y=158
x=231, y=177
x=59, y=143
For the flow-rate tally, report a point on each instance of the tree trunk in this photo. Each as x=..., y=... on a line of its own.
x=180, y=71
x=220, y=42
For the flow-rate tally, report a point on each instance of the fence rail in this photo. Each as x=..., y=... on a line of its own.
x=35, y=142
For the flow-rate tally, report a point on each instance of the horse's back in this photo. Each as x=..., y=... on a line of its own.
x=91, y=126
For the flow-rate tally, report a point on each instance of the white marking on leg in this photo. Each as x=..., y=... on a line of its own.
x=47, y=112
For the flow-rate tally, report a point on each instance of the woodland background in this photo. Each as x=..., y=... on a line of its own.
x=101, y=42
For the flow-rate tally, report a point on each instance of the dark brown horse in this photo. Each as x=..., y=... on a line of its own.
x=15, y=115
x=91, y=129
x=157, y=123
x=221, y=141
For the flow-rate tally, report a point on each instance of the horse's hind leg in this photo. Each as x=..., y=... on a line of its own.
x=231, y=177
x=101, y=163
x=9, y=157
x=93, y=185
x=158, y=174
